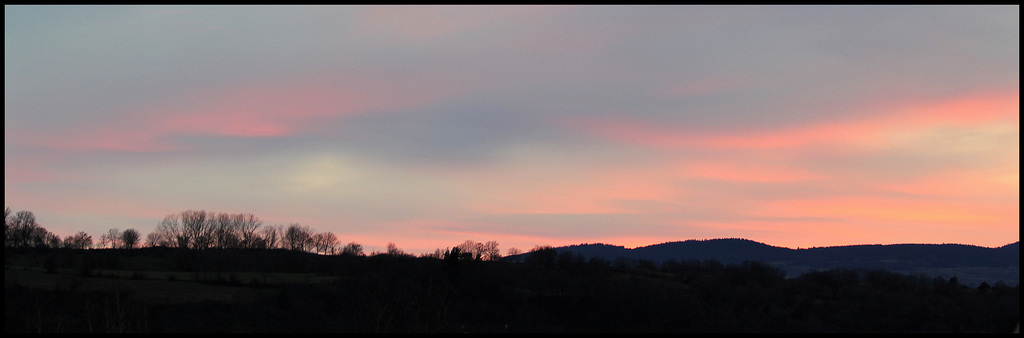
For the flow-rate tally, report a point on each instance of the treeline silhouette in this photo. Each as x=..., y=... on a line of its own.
x=201, y=229
x=463, y=289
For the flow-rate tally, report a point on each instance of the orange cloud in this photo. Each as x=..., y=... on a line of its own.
x=891, y=209
x=752, y=170
x=986, y=183
x=859, y=130
x=786, y=232
x=970, y=109
x=804, y=232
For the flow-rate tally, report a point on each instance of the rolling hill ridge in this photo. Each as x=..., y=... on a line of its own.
x=970, y=264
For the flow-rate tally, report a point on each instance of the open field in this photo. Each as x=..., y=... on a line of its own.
x=157, y=287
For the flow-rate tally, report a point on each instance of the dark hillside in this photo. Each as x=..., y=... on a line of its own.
x=727, y=251
x=921, y=255
x=971, y=264
x=277, y=291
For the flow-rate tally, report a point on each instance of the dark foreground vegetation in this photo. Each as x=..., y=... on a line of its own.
x=159, y=290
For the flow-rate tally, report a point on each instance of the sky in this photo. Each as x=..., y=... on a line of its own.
x=426, y=126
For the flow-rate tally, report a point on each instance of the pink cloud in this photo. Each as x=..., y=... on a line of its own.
x=257, y=111
x=260, y=111
x=25, y=173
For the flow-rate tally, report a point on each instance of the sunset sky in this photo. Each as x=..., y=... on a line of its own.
x=426, y=126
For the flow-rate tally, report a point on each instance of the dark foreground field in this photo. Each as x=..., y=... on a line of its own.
x=158, y=290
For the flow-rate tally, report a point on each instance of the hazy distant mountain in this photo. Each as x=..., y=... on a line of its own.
x=970, y=264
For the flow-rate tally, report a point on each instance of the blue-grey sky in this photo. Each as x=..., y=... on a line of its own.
x=426, y=126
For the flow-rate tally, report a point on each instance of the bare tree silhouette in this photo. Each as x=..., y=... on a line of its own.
x=130, y=239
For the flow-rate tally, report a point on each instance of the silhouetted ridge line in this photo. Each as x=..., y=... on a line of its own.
x=970, y=263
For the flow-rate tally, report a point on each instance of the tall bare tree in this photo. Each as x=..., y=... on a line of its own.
x=196, y=226
x=170, y=233
x=52, y=240
x=298, y=237
x=352, y=249
x=489, y=251
x=438, y=253
x=130, y=238
x=393, y=250
x=325, y=243
x=8, y=220
x=79, y=240
x=153, y=239
x=247, y=226
x=112, y=237
x=270, y=236
x=471, y=248
x=225, y=230
x=22, y=229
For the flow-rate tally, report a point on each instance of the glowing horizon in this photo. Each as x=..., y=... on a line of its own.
x=425, y=126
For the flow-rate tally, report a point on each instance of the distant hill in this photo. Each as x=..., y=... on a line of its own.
x=970, y=264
